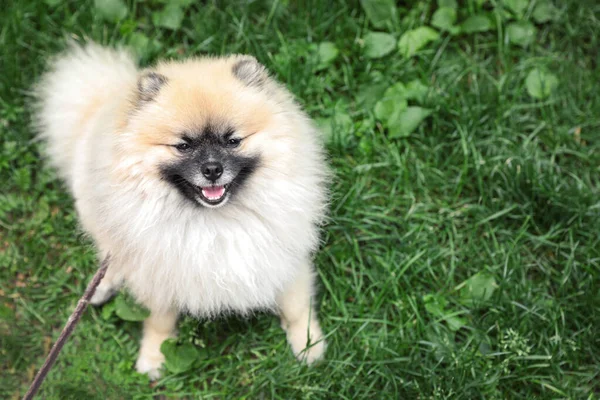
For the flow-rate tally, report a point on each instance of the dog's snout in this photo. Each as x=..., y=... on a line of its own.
x=212, y=170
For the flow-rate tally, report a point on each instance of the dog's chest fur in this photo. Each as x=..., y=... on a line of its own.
x=209, y=261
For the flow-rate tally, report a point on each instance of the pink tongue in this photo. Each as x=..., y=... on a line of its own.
x=213, y=191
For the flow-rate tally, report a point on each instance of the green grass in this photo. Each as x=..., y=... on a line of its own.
x=493, y=182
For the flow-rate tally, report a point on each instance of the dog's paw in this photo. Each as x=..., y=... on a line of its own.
x=150, y=365
x=305, y=351
x=312, y=353
x=103, y=294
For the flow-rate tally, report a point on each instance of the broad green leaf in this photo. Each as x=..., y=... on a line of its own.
x=436, y=306
x=518, y=7
x=179, y=357
x=504, y=14
x=371, y=94
x=485, y=348
x=378, y=44
x=521, y=33
x=379, y=12
x=111, y=10
x=385, y=108
x=139, y=42
x=394, y=100
x=416, y=90
x=143, y=45
x=454, y=321
x=326, y=53
x=447, y=3
x=414, y=40
x=477, y=288
x=444, y=18
x=340, y=123
x=397, y=90
x=540, y=84
x=476, y=23
x=170, y=17
x=128, y=310
x=455, y=30
x=403, y=123
x=53, y=3
x=108, y=310
x=544, y=11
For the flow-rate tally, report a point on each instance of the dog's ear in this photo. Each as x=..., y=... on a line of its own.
x=148, y=86
x=248, y=70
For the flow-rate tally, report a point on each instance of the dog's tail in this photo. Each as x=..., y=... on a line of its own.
x=78, y=85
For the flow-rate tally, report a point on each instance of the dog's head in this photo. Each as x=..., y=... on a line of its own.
x=206, y=126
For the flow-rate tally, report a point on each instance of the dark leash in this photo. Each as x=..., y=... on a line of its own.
x=67, y=330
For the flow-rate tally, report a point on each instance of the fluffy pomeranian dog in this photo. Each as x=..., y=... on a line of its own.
x=203, y=179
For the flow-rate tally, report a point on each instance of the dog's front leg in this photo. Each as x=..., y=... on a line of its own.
x=299, y=318
x=158, y=327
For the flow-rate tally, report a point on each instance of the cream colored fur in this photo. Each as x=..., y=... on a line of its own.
x=174, y=256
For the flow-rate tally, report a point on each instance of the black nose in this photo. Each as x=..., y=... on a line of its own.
x=212, y=170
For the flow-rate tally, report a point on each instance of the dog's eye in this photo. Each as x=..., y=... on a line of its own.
x=183, y=147
x=233, y=142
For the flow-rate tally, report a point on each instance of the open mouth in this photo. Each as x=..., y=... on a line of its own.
x=213, y=194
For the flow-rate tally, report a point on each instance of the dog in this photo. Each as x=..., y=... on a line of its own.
x=203, y=179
